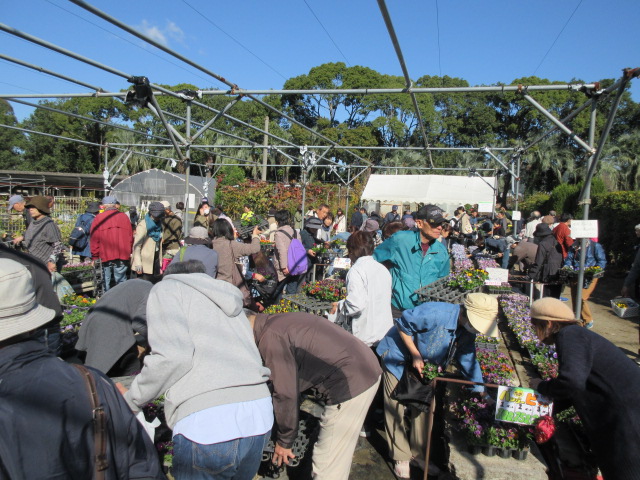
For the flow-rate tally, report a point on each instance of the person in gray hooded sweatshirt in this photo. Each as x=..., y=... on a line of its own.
x=205, y=361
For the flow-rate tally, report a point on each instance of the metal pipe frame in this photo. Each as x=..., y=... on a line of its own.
x=585, y=215
x=558, y=123
x=407, y=79
x=50, y=72
x=220, y=78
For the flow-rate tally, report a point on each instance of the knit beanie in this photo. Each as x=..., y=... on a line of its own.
x=551, y=309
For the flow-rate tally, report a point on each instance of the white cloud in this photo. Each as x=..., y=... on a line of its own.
x=154, y=32
x=175, y=32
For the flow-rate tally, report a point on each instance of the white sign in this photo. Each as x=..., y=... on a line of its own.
x=191, y=200
x=584, y=229
x=341, y=263
x=516, y=215
x=521, y=405
x=497, y=276
x=485, y=207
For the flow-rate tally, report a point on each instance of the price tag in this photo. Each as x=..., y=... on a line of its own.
x=342, y=263
x=521, y=405
x=497, y=276
x=584, y=229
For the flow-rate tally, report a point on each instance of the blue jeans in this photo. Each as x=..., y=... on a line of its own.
x=119, y=269
x=237, y=459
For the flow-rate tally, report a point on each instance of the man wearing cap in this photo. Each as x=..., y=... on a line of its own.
x=392, y=216
x=36, y=388
x=197, y=246
x=416, y=259
x=42, y=239
x=82, y=230
x=111, y=241
x=147, y=244
x=17, y=203
x=433, y=332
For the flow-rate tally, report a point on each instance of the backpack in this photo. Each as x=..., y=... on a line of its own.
x=296, y=255
x=79, y=237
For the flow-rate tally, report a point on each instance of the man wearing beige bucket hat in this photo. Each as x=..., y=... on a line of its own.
x=46, y=416
x=433, y=332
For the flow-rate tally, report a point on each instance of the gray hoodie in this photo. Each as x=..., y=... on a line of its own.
x=203, y=351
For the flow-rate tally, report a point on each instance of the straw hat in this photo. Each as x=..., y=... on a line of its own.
x=482, y=312
x=19, y=311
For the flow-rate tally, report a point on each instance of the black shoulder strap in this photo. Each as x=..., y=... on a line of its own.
x=295, y=234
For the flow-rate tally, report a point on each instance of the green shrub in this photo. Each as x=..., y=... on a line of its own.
x=537, y=201
x=564, y=199
x=617, y=213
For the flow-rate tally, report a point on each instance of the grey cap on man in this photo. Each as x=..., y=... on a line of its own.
x=15, y=199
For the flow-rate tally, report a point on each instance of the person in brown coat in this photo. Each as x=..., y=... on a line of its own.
x=228, y=249
x=303, y=352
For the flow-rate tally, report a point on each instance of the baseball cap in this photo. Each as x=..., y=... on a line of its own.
x=394, y=208
x=166, y=205
x=109, y=200
x=15, y=199
x=432, y=214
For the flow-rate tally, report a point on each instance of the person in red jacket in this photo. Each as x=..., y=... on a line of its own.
x=111, y=241
x=562, y=232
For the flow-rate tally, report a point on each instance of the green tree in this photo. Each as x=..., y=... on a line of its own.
x=11, y=141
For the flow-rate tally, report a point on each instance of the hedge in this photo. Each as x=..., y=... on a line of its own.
x=617, y=214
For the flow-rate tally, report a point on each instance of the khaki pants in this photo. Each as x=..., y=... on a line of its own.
x=339, y=431
x=405, y=441
x=585, y=312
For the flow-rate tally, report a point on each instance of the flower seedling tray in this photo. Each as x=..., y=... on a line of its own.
x=491, y=451
x=439, y=291
x=487, y=346
x=632, y=309
x=309, y=304
x=245, y=231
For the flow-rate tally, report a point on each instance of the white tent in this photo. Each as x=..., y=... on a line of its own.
x=446, y=191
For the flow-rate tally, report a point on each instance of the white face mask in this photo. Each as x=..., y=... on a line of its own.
x=205, y=211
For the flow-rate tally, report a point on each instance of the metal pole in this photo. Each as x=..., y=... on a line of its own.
x=50, y=72
x=495, y=194
x=105, y=174
x=265, y=151
x=346, y=209
x=559, y=124
x=585, y=213
x=405, y=71
x=187, y=164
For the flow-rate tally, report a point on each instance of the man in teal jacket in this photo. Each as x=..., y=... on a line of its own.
x=416, y=259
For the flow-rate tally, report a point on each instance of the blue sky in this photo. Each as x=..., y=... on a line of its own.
x=259, y=44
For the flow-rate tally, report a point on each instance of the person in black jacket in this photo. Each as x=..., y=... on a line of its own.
x=600, y=381
x=548, y=261
x=36, y=388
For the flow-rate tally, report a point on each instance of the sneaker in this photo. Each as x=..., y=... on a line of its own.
x=419, y=462
x=589, y=325
x=401, y=469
